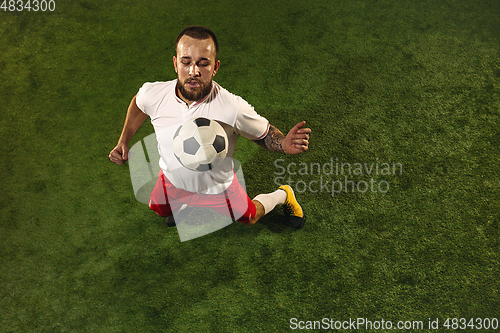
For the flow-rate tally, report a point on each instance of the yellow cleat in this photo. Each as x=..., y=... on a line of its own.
x=292, y=209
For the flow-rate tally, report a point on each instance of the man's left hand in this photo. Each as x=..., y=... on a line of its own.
x=297, y=140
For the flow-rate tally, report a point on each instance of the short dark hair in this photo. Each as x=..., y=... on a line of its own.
x=199, y=32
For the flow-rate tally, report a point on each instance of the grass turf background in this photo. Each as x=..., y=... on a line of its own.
x=416, y=83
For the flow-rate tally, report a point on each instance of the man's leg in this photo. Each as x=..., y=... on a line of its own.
x=285, y=197
x=264, y=203
x=260, y=211
x=158, y=201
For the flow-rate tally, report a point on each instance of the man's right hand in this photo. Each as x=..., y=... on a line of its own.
x=135, y=118
x=119, y=154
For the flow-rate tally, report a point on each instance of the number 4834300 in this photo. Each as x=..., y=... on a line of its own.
x=30, y=5
x=474, y=323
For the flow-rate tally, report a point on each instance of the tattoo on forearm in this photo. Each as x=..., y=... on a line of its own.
x=273, y=141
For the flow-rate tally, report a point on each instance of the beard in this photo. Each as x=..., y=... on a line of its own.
x=194, y=94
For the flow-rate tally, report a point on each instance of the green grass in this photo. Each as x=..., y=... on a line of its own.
x=410, y=82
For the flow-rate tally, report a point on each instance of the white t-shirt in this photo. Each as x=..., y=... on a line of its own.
x=168, y=112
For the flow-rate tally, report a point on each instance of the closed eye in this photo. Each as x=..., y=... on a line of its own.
x=200, y=64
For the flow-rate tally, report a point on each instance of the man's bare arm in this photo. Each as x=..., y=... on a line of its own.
x=135, y=118
x=273, y=141
x=295, y=142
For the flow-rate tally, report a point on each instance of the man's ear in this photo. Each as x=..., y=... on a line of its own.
x=216, y=68
x=174, y=59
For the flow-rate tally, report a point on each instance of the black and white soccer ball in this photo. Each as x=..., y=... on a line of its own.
x=200, y=144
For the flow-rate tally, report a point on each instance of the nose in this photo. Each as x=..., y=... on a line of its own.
x=194, y=70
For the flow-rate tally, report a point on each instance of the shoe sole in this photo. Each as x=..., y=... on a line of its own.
x=296, y=222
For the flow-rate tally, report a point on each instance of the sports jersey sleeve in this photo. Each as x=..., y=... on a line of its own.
x=139, y=99
x=249, y=123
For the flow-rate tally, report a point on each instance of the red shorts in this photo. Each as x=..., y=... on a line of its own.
x=233, y=202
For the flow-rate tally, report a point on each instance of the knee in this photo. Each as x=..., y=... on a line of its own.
x=252, y=221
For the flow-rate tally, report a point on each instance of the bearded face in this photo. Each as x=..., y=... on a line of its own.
x=195, y=64
x=194, y=89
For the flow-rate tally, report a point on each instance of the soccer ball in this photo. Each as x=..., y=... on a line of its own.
x=200, y=144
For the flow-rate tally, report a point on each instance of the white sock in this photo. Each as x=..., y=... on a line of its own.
x=270, y=200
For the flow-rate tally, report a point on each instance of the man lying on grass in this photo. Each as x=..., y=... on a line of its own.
x=194, y=94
